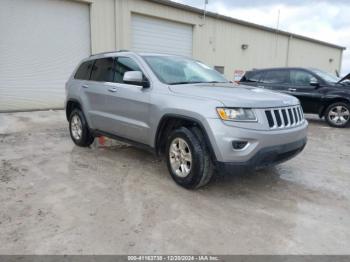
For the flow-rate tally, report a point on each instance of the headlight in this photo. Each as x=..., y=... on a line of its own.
x=237, y=114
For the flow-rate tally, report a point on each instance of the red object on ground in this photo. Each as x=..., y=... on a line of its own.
x=102, y=140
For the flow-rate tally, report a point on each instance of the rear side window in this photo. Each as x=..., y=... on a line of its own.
x=220, y=69
x=124, y=64
x=276, y=77
x=84, y=71
x=103, y=70
x=252, y=76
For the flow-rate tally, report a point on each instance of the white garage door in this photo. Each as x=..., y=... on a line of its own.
x=161, y=36
x=41, y=42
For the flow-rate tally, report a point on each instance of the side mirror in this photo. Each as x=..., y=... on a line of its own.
x=135, y=78
x=314, y=82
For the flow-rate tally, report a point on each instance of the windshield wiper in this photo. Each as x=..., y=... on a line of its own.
x=196, y=82
x=214, y=82
x=185, y=82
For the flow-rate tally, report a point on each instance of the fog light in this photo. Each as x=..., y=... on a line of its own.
x=238, y=145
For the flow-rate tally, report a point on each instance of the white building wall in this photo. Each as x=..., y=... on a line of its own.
x=308, y=54
x=103, y=26
x=217, y=42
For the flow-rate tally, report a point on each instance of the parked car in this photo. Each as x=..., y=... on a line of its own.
x=184, y=110
x=319, y=92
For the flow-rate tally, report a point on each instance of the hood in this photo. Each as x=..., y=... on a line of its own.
x=347, y=77
x=237, y=95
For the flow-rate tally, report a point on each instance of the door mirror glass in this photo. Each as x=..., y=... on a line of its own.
x=135, y=78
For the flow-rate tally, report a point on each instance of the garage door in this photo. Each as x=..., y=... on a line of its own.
x=161, y=36
x=41, y=43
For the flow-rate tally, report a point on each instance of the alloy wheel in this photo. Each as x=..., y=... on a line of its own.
x=180, y=157
x=76, y=127
x=339, y=115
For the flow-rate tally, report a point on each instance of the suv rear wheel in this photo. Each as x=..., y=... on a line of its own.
x=188, y=158
x=79, y=130
x=338, y=114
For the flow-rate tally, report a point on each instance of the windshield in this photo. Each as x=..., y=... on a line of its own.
x=326, y=76
x=174, y=70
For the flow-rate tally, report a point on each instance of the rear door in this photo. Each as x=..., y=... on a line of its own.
x=300, y=86
x=275, y=79
x=82, y=74
x=78, y=85
x=95, y=93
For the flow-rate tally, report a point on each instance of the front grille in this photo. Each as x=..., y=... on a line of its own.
x=284, y=117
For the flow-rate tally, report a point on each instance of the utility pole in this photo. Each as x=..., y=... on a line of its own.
x=205, y=11
x=277, y=28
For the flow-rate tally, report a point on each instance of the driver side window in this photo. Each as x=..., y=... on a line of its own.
x=301, y=78
x=122, y=65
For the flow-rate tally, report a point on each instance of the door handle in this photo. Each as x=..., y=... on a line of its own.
x=292, y=89
x=112, y=89
x=85, y=86
x=261, y=86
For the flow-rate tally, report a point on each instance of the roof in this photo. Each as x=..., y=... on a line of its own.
x=118, y=52
x=277, y=68
x=110, y=52
x=241, y=22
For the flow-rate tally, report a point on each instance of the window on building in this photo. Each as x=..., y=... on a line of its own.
x=103, y=70
x=124, y=64
x=276, y=77
x=84, y=71
x=220, y=69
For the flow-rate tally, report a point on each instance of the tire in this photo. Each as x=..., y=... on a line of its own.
x=338, y=114
x=199, y=171
x=81, y=138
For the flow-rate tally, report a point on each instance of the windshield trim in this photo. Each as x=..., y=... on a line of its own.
x=198, y=82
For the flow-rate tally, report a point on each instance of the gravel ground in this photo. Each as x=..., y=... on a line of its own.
x=57, y=198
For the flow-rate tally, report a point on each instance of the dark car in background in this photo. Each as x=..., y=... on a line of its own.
x=319, y=92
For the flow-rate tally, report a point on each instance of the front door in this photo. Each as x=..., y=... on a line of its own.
x=128, y=105
x=301, y=87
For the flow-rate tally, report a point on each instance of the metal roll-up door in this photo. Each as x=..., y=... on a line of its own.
x=41, y=42
x=161, y=36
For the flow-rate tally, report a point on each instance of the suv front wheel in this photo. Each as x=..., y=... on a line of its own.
x=188, y=158
x=79, y=130
x=338, y=114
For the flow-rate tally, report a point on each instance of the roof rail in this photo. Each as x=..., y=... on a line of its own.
x=109, y=52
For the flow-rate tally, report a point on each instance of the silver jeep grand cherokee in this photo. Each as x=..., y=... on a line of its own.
x=183, y=109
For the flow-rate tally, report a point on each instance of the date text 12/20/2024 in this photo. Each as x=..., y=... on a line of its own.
x=173, y=258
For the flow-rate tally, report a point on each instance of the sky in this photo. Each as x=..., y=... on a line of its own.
x=326, y=20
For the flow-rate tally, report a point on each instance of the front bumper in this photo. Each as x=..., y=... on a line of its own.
x=266, y=157
x=260, y=143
